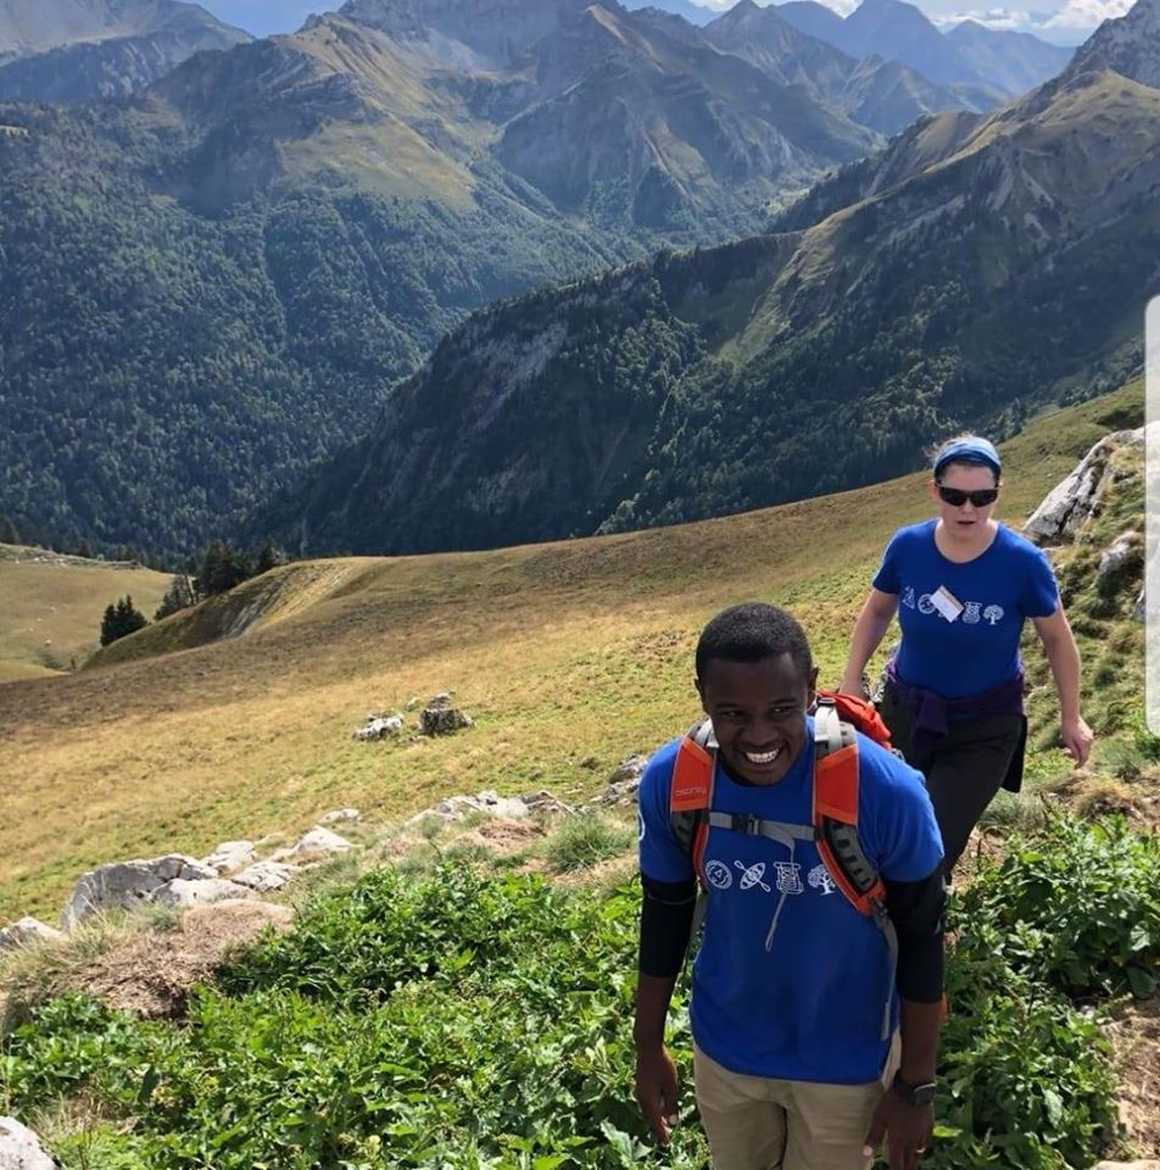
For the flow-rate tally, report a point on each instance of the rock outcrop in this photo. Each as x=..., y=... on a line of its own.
x=20, y=1148
x=126, y=884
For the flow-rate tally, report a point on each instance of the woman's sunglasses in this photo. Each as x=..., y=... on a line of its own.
x=957, y=498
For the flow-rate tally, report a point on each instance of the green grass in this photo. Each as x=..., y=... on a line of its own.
x=584, y=841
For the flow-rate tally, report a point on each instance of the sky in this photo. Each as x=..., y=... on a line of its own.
x=1065, y=22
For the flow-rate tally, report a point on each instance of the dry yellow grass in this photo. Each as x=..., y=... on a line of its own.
x=561, y=651
x=51, y=607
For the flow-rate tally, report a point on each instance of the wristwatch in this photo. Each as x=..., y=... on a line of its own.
x=920, y=1094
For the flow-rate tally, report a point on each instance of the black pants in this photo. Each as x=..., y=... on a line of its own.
x=964, y=769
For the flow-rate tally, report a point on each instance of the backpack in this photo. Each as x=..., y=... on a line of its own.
x=834, y=827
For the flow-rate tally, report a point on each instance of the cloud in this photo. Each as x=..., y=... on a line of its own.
x=1087, y=14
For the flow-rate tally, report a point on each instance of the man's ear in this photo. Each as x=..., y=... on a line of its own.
x=812, y=689
x=700, y=691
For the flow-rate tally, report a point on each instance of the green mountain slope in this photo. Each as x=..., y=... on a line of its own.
x=982, y=267
x=209, y=286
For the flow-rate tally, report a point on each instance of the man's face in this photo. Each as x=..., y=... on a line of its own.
x=758, y=711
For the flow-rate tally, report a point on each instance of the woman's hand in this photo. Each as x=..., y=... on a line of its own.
x=1077, y=739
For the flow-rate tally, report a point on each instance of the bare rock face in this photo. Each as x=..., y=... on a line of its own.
x=1073, y=501
x=318, y=842
x=510, y=808
x=20, y=1148
x=126, y=884
x=27, y=932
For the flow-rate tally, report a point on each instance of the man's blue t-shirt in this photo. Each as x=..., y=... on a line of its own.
x=998, y=591
x=809, y=1005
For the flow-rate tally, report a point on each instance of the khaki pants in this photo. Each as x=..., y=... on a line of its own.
x=754, y=1123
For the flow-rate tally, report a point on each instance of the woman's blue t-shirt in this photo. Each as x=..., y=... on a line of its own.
x=806, y=1004
x=998, y=591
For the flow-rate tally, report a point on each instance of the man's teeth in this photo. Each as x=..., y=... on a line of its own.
x=763, y=757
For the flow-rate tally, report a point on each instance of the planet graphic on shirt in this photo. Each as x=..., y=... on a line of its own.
x=752, y=876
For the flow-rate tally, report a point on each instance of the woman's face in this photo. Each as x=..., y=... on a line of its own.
x=967, y=518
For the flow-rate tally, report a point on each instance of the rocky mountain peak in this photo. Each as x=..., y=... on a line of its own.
x=1129, y=45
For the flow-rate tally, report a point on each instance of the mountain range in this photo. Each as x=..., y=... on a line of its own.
x=78, y=50
x=987, y=61
x=211, y=284
x=981, y=267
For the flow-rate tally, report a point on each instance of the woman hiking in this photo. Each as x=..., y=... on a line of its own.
x=963, y=585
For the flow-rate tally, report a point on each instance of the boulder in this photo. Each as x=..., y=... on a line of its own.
x=125, y=884
x=1071, y=502
x=27, y=932
x=180, y=893
x=440, y=717
x=624, y=783
x=340, y=815
x=230, y=855
x=20, y=1148
x=264, y=876
x=379, y=727
x=455, y=808
x=317, y=841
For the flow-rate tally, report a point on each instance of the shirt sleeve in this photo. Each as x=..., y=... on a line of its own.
x=887, y=580
x=1040, y=591
x=904, y=839
x=661, y=857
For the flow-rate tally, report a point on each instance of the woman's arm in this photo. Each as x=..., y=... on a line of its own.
x=869, y=630
x=1063, y=655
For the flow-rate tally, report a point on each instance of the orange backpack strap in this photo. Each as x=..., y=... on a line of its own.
x=691, y=792
x=836, y=782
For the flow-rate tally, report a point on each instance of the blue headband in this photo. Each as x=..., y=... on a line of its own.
x=972, y=450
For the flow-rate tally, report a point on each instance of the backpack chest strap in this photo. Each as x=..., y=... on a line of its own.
x=754, y=826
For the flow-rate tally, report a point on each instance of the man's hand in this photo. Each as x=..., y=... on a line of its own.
x=907, y=1129
x=656, y=1090
x=1077, y=739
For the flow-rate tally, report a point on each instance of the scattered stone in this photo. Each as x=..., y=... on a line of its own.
x=544, y=804
x=439, y=717
x=27, y=932
x=230, y=855
x=455, y=808
x=339, y=815
x=125, y=884
x=589, y=762
x=317, y=841
x=379, y=727
x=265, y=876
x=624, y=782
x=20, y=1148
x=1070, y=503
x=181, y=893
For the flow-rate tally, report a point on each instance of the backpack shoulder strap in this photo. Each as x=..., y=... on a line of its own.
x=835, y=813
x=691, y=790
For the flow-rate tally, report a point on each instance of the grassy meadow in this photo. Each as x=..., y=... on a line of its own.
x=51, y=607
x=235, y=720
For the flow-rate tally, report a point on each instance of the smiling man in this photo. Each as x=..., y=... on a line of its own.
x=817, y=987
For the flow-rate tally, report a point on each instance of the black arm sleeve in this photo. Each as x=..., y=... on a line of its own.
x=666, y=923
x=917, y=910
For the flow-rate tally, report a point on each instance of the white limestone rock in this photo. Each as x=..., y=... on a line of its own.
x=264, y=876
x=230, y=855
x=180, y=893
x=125, y=884
x=20, y=1148
x=341, y=816
x=27, y=932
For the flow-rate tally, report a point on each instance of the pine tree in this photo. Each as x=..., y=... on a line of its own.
x=270, y=557
x=8, y=532
x=121, y=619
x=222, y=568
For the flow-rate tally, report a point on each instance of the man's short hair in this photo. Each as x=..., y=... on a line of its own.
x=752, y=632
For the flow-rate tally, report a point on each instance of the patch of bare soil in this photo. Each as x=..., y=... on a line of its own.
x=151, y=974
x=1135, y=1037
